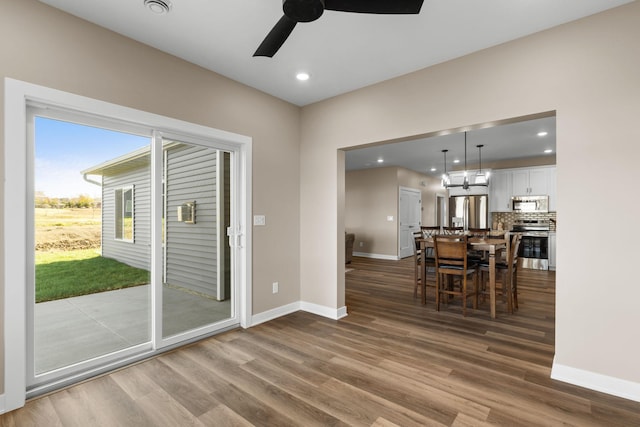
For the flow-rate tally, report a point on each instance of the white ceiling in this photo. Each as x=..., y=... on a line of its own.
x=342, y=51
x=503, y=142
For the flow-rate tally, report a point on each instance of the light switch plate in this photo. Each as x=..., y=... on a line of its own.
x=259, y=220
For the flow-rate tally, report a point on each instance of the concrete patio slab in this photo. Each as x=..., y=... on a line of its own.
x=75, y=329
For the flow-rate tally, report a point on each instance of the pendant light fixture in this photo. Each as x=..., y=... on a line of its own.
x=445, y=176
x=481, y=179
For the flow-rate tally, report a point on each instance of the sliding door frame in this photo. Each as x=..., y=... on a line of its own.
x=21, y=95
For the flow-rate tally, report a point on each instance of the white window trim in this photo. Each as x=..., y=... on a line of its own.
x=124, y=189
x=18, y=95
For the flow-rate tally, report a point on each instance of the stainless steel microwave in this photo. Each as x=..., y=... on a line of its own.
x=530, y=203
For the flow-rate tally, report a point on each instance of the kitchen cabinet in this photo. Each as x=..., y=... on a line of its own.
x=500, y=191
x=552, y=250
x=530, y=182
x=551, y=187
x=505, y=183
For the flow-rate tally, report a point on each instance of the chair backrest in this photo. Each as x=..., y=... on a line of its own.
x=513, y=249
x=430, y=230
x=497, y=233
x=479, y=232
x=417, y=235
x=451, y=250
x=453, y=230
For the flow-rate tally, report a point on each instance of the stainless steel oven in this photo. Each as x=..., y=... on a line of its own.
x=534, y=246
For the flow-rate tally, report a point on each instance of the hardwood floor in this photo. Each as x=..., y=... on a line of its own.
x=391, y=361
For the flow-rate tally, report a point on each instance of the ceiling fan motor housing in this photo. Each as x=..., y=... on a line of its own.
x=303, y=10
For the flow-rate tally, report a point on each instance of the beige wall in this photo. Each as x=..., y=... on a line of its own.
x=429, y=187
x=43, y=46
x=371, y=195
x=586, y=71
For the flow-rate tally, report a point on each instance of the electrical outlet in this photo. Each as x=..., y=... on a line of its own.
x=361, y=244
x=275, y=287
x=259, y=220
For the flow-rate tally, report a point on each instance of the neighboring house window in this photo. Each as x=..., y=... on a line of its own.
x=124, y=213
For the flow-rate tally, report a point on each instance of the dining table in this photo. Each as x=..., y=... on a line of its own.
x=492, y=246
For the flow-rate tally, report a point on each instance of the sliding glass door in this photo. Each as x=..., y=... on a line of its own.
x=196, y=289
x=130, y=251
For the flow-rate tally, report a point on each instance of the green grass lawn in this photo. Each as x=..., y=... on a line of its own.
x=71, y=273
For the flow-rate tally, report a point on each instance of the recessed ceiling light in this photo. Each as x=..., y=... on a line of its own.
x=380, y=160
x=548, y=150
x=159, y=7
x=456, y=161
x=433, y=169
x=543, y=133
x=302, y=76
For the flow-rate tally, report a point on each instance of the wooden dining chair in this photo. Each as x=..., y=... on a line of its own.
x=452, y=262
x=430, y=230
x=453, y=230
x=479, y=232
x=417, y=263
x=508, y=270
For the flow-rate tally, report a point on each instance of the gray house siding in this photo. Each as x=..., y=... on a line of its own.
x=136, y=253
x=191, y=249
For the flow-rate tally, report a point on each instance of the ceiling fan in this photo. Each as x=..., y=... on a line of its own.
x=309, y=10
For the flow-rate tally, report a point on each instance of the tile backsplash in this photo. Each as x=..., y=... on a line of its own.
x=509, y=218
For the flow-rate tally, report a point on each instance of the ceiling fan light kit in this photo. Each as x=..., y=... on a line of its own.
x=309, y=10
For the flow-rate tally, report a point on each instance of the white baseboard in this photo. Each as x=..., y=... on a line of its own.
x=598, y=382
x=320, y=310
x=265, y=316
x=3, y=408
x=376, y=256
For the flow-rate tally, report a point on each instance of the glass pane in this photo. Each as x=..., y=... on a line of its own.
x=91, y=295
x=127, y=220
x=118, y=213
x=196, y=282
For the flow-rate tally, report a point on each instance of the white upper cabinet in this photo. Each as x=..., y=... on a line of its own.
x=505, y=183
x=531, y=181
x=500, y=191
x=551, y=183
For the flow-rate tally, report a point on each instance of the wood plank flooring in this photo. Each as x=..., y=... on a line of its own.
x=390, y=362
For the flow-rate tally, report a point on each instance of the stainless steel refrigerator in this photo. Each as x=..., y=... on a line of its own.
x=469, y=211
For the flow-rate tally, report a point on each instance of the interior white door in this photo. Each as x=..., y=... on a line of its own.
x=409, y=215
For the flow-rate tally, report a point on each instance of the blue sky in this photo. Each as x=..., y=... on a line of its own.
x=63, y=149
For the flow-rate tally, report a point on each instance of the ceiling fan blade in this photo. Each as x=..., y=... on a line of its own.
x=276, y=37
x=375, y=6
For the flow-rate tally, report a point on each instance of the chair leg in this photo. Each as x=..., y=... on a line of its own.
x=507, y=286
x=437, y=291
x=515, y=290
x=415, y=276
x=464, y=295
x=475, y=290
